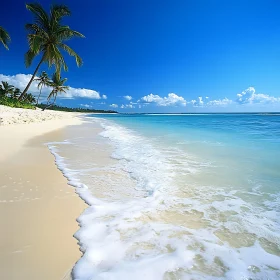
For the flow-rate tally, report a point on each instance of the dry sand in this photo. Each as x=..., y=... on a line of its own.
x=38, y=210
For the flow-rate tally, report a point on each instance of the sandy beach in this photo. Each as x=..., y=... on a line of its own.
x=38, y=209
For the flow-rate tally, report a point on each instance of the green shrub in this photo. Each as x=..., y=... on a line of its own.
x=15, y=103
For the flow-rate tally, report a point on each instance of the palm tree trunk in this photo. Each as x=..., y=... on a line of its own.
x=39, y=96
x=32, y=78
x=54, y=99
x=48, y=106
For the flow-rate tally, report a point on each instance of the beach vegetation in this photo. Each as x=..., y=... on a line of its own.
x=81, y=110
x=44, y=81
x=29, y=98
x=4, y=37
x=15, y=103
x=47, y=36
x=9, y=97
x=57, y=84
x=16, y=93
x=6, y=89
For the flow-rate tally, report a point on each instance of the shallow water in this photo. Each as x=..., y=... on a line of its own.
x=176, y=196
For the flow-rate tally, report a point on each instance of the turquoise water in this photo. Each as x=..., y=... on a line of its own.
x=243, y=145
x=180, y=197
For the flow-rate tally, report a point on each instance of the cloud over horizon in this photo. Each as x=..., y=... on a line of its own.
x=249, y=96
x=171, y=99
x=246, y=97
x=127, y=106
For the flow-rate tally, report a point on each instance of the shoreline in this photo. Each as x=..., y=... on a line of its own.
x=38, y=207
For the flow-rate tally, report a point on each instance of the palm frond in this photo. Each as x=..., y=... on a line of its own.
x=71, y=52
x=4, y=37
x=57, y=12
x=43, y=80
x=57, y=59
x=65, y=33
x=41, y=17
x=35, y=42
x=28, y=57
x=36, y=29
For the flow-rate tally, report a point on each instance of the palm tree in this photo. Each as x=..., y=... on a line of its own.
x=4, y=37
x=29, y=98
x=16, y=93
x=47, y=36
x=6, y=89
x=44, y=80
x=58, y=86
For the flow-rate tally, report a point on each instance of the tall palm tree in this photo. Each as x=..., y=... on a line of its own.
x=6, y=89
x=4, y=37
x=58, y=87
x=44, y=80
x=47, y=36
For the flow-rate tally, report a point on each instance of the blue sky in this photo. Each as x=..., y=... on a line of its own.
x=168, y=56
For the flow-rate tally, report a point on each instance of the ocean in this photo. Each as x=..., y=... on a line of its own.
x=182, y=196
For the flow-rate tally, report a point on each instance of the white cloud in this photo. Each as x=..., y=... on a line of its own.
x=114, y=105
x=172, y=99
x=21, y=80
x=86, y=106
x=128, y=97
x=197, y=103
x=81, y=92
x=249, y=96
x=200, y=101
x=220, y=102
x=125, y=106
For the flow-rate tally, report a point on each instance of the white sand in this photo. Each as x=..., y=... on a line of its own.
x=38, y=210
x=10, y=115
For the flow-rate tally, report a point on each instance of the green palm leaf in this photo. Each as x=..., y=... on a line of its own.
x=71, y=52
x=4, y=37
x=41, y=17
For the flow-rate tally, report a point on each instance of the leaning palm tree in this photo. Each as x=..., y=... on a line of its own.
x=44, y=80
x=58, y=86
x=46, y=38
x=4, y=37
x=6, y=89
